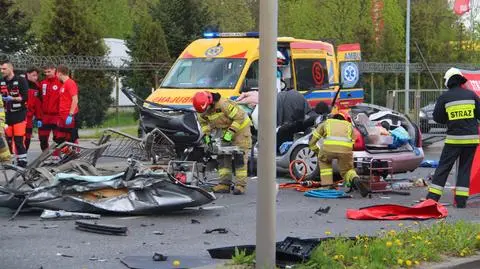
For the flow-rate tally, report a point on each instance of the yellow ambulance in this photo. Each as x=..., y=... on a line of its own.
x=228, y=63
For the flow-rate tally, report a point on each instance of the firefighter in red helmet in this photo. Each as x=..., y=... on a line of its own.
x=220, y=114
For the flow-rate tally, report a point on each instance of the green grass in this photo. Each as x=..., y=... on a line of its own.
x=405, y=249
x=124, y=119
x=97, y=133
x=408, y=248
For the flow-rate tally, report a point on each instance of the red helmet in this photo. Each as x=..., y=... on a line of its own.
x=201, y=101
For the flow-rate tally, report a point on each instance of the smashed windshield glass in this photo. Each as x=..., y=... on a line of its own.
x=205, y=73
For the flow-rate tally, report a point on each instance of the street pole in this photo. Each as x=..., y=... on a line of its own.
x=266, y=207
x=117, y=95
x=407, y=61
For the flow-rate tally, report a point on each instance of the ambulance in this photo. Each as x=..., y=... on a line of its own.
x=228, y=63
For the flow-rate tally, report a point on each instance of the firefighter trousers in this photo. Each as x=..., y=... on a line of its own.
x=345, y=165
x=243, y=140
x=450, y=154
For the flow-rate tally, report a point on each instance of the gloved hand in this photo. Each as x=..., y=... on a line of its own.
x=69, y=120
x=228, y=136
x=39, y=123
x=7, y=99
x=207, y=139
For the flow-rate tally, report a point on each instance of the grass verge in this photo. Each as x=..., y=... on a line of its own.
x=97, y=133
x=407, y=248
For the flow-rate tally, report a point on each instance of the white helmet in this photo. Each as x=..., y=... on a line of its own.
x=450, y=73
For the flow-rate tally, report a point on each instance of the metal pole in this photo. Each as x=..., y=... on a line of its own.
x=407, y=60
x=117, y=96
x=266, y=207
x=372, y=89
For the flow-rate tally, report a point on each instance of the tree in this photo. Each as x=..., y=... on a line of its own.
x=146, y=44
x=183, y=21
x=231, y=15
x=14, y=27
x=70, y=32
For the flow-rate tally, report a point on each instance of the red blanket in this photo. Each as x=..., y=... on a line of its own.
x=425, y=210
x=475, y=174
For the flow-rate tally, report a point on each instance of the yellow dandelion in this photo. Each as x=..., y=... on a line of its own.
x=335, y=257
x=357, y=237
x=328, y=233
x=355, y=257
x=365, y=246
x=417, y=262
x=398, y=242
x=415, y=222
x=425, y=258
x=478, y=236
x=385, y=259
x=388, y=244
x=408, y=263
x=341, y=257
x=400, y=262
x=400, y=224
x=392, y=232
x=462, y=254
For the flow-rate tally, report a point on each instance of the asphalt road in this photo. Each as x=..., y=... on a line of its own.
x=25, y=243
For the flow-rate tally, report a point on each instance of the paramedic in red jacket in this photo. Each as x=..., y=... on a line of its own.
x=68, y=108
x=34, y=106
x=50, y=96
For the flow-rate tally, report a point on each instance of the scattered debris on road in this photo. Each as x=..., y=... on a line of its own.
x=100, y=228
x=219, y=230
x=61, y=214
x=64, y=255
x=194, y=221
x=322, y=210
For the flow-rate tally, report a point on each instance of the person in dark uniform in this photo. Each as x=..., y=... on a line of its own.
x=459, y=108
x=14, y=90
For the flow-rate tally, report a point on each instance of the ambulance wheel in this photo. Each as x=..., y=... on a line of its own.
x=307, y=156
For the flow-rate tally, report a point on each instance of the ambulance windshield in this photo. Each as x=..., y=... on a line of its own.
x=204, y=73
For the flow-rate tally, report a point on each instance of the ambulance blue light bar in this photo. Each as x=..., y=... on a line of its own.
x=217, y=34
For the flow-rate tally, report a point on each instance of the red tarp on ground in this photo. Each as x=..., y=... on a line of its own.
x=428, y=209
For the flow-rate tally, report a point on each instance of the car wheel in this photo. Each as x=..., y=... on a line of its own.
x=305, y=154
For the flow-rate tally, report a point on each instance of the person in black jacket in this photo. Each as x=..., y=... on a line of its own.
x=14, y=90
x=459, y=108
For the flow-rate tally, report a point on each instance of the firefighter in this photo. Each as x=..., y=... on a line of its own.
x=459, y=109
x=14, y=91
x=33, y=105
x=68, y=108
x=50, y=96
x=220, y=114
x=338, y=138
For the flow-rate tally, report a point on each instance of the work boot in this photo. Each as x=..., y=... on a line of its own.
x=238, y=189
x=364, y=191
x=461, y=202
x=221, y=188
x=433, y=196
x=22, y=163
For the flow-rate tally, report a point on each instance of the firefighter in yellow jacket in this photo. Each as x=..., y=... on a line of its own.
x=338, y=138
x=217, y=113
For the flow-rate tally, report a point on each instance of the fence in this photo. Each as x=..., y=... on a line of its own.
x=421, y=103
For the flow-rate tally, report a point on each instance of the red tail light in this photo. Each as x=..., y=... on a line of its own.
x=359, y=144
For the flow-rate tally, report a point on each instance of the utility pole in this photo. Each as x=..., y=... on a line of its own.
x=407, y=61
x=266, y=207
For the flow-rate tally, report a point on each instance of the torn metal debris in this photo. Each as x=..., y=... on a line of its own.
x=100, y=228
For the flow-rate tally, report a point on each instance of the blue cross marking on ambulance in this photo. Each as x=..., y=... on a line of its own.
x=350, y=74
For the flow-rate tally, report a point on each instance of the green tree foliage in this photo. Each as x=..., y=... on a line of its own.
x=182, y=21
x=146, y=44
x=112, y=17
x=14, y=27
x=231, y=15
x=70, y=32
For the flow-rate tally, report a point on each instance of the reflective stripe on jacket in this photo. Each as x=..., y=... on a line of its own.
x=338, y=136
x=459, y=109
x=225, y=114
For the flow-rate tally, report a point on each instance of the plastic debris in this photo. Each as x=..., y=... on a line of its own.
x=322, y=210
x=61, y=214
x=429, y=164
